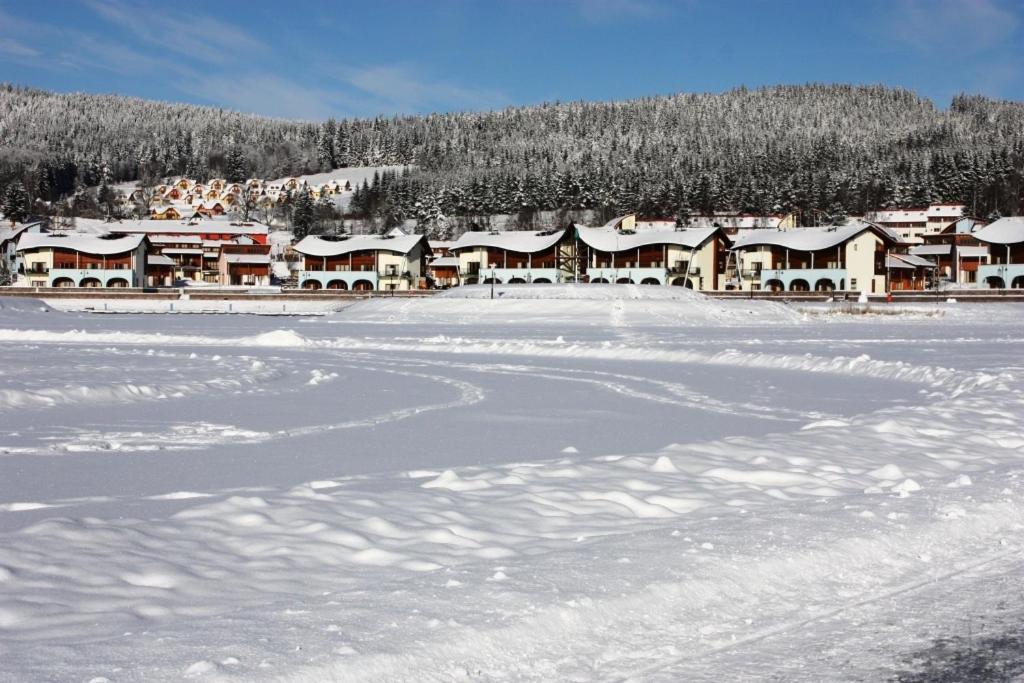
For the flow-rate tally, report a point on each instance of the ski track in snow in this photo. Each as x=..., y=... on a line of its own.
x=635, y=566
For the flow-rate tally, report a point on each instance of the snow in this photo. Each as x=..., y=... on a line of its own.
x=317, y=246
x=85, y=243
x=523, y=242
x=607, y=239
x=1009, y=230
x=562, y=483
x=809, y=239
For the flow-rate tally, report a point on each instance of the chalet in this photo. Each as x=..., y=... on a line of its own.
x=83, y=260
x=444, y=271
x=363, y=262
x=909, y=272
x=955, y=250
x=184, y=184
x=165, y=213
x=514, y=257
x=244, y=264
x=1005, y=240
x=209, y=209
x=160, y=270
x=847, y=257
x=689, y=257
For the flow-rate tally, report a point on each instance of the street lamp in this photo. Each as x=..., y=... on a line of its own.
x=492, y=279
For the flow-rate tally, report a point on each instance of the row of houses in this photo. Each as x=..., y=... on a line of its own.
x=858, y=256
x=142, y=253
x=186, y=199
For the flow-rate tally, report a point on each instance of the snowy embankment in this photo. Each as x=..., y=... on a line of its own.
x=398, y=503
x=614, y=306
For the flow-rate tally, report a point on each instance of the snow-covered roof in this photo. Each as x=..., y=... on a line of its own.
x=84, y=243
x=932, y=250
x=734, y=220
x=810, y=239
x=445, y=262
x=174, y=239
x=440, y=244
x=183, y=251
x=158, y=260
x=255, y=259
x=11, y=232
x=317, y=246
x=907, y=261
x=195, y=227
x=607, y=239
x=900, y=216
x=1009, y=230
x=524, y=242
x=973, y=252
x=946, y=210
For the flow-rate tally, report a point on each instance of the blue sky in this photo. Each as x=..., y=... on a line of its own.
x=313, y=60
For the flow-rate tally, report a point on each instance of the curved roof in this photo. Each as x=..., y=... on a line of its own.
x=605, y=239
x=313, y=245
x=810, y=239
x=84, y=243
x=1009, y=230
x=519, y=241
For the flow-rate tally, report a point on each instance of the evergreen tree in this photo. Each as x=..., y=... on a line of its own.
x=234, y=164
x=15, y=204
x=303, y=215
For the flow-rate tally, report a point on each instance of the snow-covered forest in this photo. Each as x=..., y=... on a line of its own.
x=821, y=150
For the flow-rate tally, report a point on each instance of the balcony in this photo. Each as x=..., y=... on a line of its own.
x=816, y=279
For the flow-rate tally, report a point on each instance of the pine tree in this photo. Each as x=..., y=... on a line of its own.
x=15, y=204
x=234, y=164
x=303, y=216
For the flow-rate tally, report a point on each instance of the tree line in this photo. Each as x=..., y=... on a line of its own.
x=822, y=151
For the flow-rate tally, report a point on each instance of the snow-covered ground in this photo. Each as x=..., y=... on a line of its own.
x=615, y=483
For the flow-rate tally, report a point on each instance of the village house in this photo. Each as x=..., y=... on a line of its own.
x=955, y=250
x=847, y=257
x=735, y=223
x=1005, y=240
x=689, y=257
x=9, y=234
x=514, y=257
x=363, y=262
x=913, y=224
x=165, y=213
x=244, y=264
x=83, y=260
x=907, y=272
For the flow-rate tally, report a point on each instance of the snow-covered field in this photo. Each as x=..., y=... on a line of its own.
x=602, y=483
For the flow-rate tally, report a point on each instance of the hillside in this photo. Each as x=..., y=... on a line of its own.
x=825, y=150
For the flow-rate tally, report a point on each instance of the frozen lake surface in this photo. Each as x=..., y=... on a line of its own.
x=602, y=483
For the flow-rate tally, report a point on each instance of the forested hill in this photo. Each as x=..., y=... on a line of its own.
x=822, y=149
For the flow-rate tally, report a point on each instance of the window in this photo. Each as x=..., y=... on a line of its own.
x=853, y=283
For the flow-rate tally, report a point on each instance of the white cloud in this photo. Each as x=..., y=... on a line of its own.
x=400, y=88
x=15, y=48
x=194, y=35
x=963, y=26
